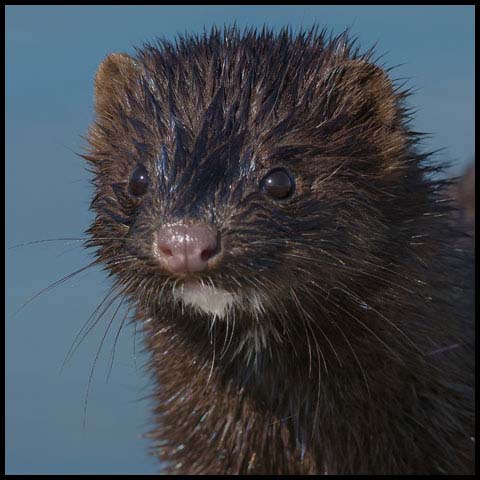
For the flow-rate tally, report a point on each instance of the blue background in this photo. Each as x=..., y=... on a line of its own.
x=51, y=57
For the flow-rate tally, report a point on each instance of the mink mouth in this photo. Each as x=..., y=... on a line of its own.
x=224, y=288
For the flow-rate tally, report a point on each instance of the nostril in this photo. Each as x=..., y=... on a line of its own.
x=207, y=253
x=165, y=250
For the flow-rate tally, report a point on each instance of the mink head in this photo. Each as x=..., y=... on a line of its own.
x=239, y=173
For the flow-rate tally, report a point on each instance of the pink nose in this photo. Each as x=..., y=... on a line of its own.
x=185, y=248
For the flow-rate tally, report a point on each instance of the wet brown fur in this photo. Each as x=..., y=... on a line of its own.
x=362, y=358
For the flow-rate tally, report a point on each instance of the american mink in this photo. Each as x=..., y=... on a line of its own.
x=263, y=204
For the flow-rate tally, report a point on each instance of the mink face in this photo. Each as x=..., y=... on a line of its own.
x=273, y=146
x=265, y=191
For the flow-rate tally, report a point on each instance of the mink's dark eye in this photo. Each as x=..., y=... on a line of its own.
x=138, y=184
x=278, y=184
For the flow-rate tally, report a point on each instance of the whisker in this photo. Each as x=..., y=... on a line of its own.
x=302, y=316
x=213, y=358
x=95, y=321
x=52, y=286
x=308, y=292
x=317, y=404
x=354, y=355
x=48, y=240
x=116, y=337
x=70, y=239
x=75, y=345
x=396, y=327
x=307, y=319
x=223, y=351
x=355, y=270
x=67, y=251
x=366, y=327
x=96, y=358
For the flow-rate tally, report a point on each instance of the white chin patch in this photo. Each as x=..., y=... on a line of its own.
x=216, y=302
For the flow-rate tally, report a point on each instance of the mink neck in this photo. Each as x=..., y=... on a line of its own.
x=257, y=356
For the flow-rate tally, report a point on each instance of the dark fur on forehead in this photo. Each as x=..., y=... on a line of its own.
x=209, y=99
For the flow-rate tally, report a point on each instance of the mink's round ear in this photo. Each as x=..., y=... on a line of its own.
x=363, y=97
x=113, y=77
x=368, y=90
